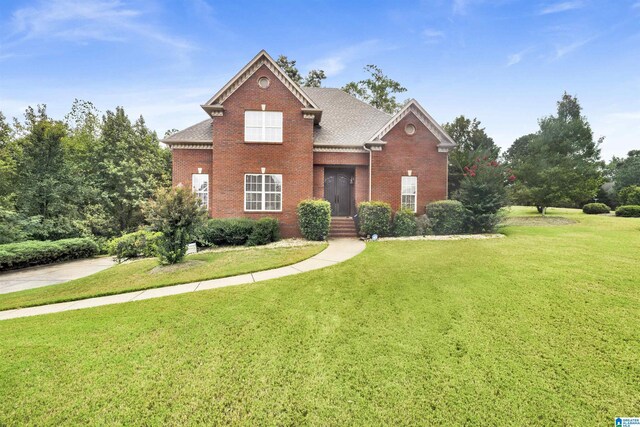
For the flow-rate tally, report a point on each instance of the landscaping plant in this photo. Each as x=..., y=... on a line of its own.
x=374, y=218
x=141, y=243
x=404, y=223
x=25, y=254
x=314, y=218
x=630, y=195
x=175, y=213
x=628, y=211
x=483, y=192
x=596, y=208
x=447, y=217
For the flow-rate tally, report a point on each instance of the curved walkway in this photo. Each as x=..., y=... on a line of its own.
x=337, y=251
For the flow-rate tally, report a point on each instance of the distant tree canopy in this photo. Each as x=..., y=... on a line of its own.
x=473, y=142
x=314, y=77
x=560, y=164
x=378, y=90
x=626, y=171
x=85, y=175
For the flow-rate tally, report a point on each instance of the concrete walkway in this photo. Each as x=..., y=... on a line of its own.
x=36, y=277
x=338, y=250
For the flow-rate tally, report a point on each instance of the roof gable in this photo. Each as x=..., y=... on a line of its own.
x=445, y=141
x=262, y=58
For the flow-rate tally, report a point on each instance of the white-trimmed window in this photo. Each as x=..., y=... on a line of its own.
x=409, y=193
x=200, y=186
x=263, y=126
x=263, y=192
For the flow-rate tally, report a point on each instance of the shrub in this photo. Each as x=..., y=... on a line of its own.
x=25, y=254
x=596, y=208
x=628, y=211
x=314, y=218
x=176, y=213
x=265, y=230
x=374, y=218
x=141, y=243
x=630, y=195
x=404, y=223
x=424, y=225
x=237, y=231
x=483, y=193
x=447, y=217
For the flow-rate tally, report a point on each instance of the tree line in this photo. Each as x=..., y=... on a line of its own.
x=86, y=175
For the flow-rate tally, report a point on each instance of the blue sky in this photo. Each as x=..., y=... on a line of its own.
x=505, y=62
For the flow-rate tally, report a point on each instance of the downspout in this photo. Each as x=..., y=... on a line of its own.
x=370, y=165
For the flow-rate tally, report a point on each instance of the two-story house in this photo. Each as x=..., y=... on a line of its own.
x=269, y=143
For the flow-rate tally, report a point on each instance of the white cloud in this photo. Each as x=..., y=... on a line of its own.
x=431, y=35
x=81, y=21
x=515, y=58
x=334, y=63
x=561, y=7
x=460, y=7
x=566, y=49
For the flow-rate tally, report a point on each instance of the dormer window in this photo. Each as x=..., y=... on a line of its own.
x=263, y=126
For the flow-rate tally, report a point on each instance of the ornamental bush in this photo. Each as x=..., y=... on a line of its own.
x=314, y=218
x=596, y=208
x=404, y=223
x=628, y=211
x=447, y=217
x=140, y=243
x=374, y=218
x=483, y=192
x=176, y=213
x=630, y=195
x=32, y=252
x=265, y=230
x=237, y=231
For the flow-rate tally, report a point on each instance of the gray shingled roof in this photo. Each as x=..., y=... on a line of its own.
x=345, y=121
x=199, y=133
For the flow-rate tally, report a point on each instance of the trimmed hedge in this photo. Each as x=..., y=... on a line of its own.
x=447, y=217
x=265, y=230
x=314, y=218
x=596, y=208
x=132, y=245
x=374, y=218
x=630, y=211
x=238, y=231
x=33, y=252
x=424, y=225
x=404, y=223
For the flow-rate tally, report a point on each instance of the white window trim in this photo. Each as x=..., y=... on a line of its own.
x=244, y=188
x=415, y=195
x=197, y=192
x=264, y=127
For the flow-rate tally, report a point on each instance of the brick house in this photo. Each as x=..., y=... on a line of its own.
x=270, y=143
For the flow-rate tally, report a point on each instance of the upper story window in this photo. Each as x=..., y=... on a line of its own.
x=263, y=192
x=409, y=193
x=263, y=126
x=200, y=186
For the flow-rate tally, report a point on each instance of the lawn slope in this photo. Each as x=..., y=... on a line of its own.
x=147, y=274
x=539, y=328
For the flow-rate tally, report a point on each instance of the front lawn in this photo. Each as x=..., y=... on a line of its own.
x=146, y=274
x=539, y=328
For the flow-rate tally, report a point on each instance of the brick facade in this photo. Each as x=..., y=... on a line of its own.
x=418, y=153
x=229, y=157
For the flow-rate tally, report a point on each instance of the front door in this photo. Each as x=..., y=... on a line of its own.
x=337, y=190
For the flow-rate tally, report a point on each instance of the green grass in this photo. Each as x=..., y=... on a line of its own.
x=145, y=274
x=539, y=328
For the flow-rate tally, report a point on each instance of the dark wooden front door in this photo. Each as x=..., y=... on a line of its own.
x=337, y=190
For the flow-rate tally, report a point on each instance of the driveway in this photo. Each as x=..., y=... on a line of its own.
x=35, y=277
